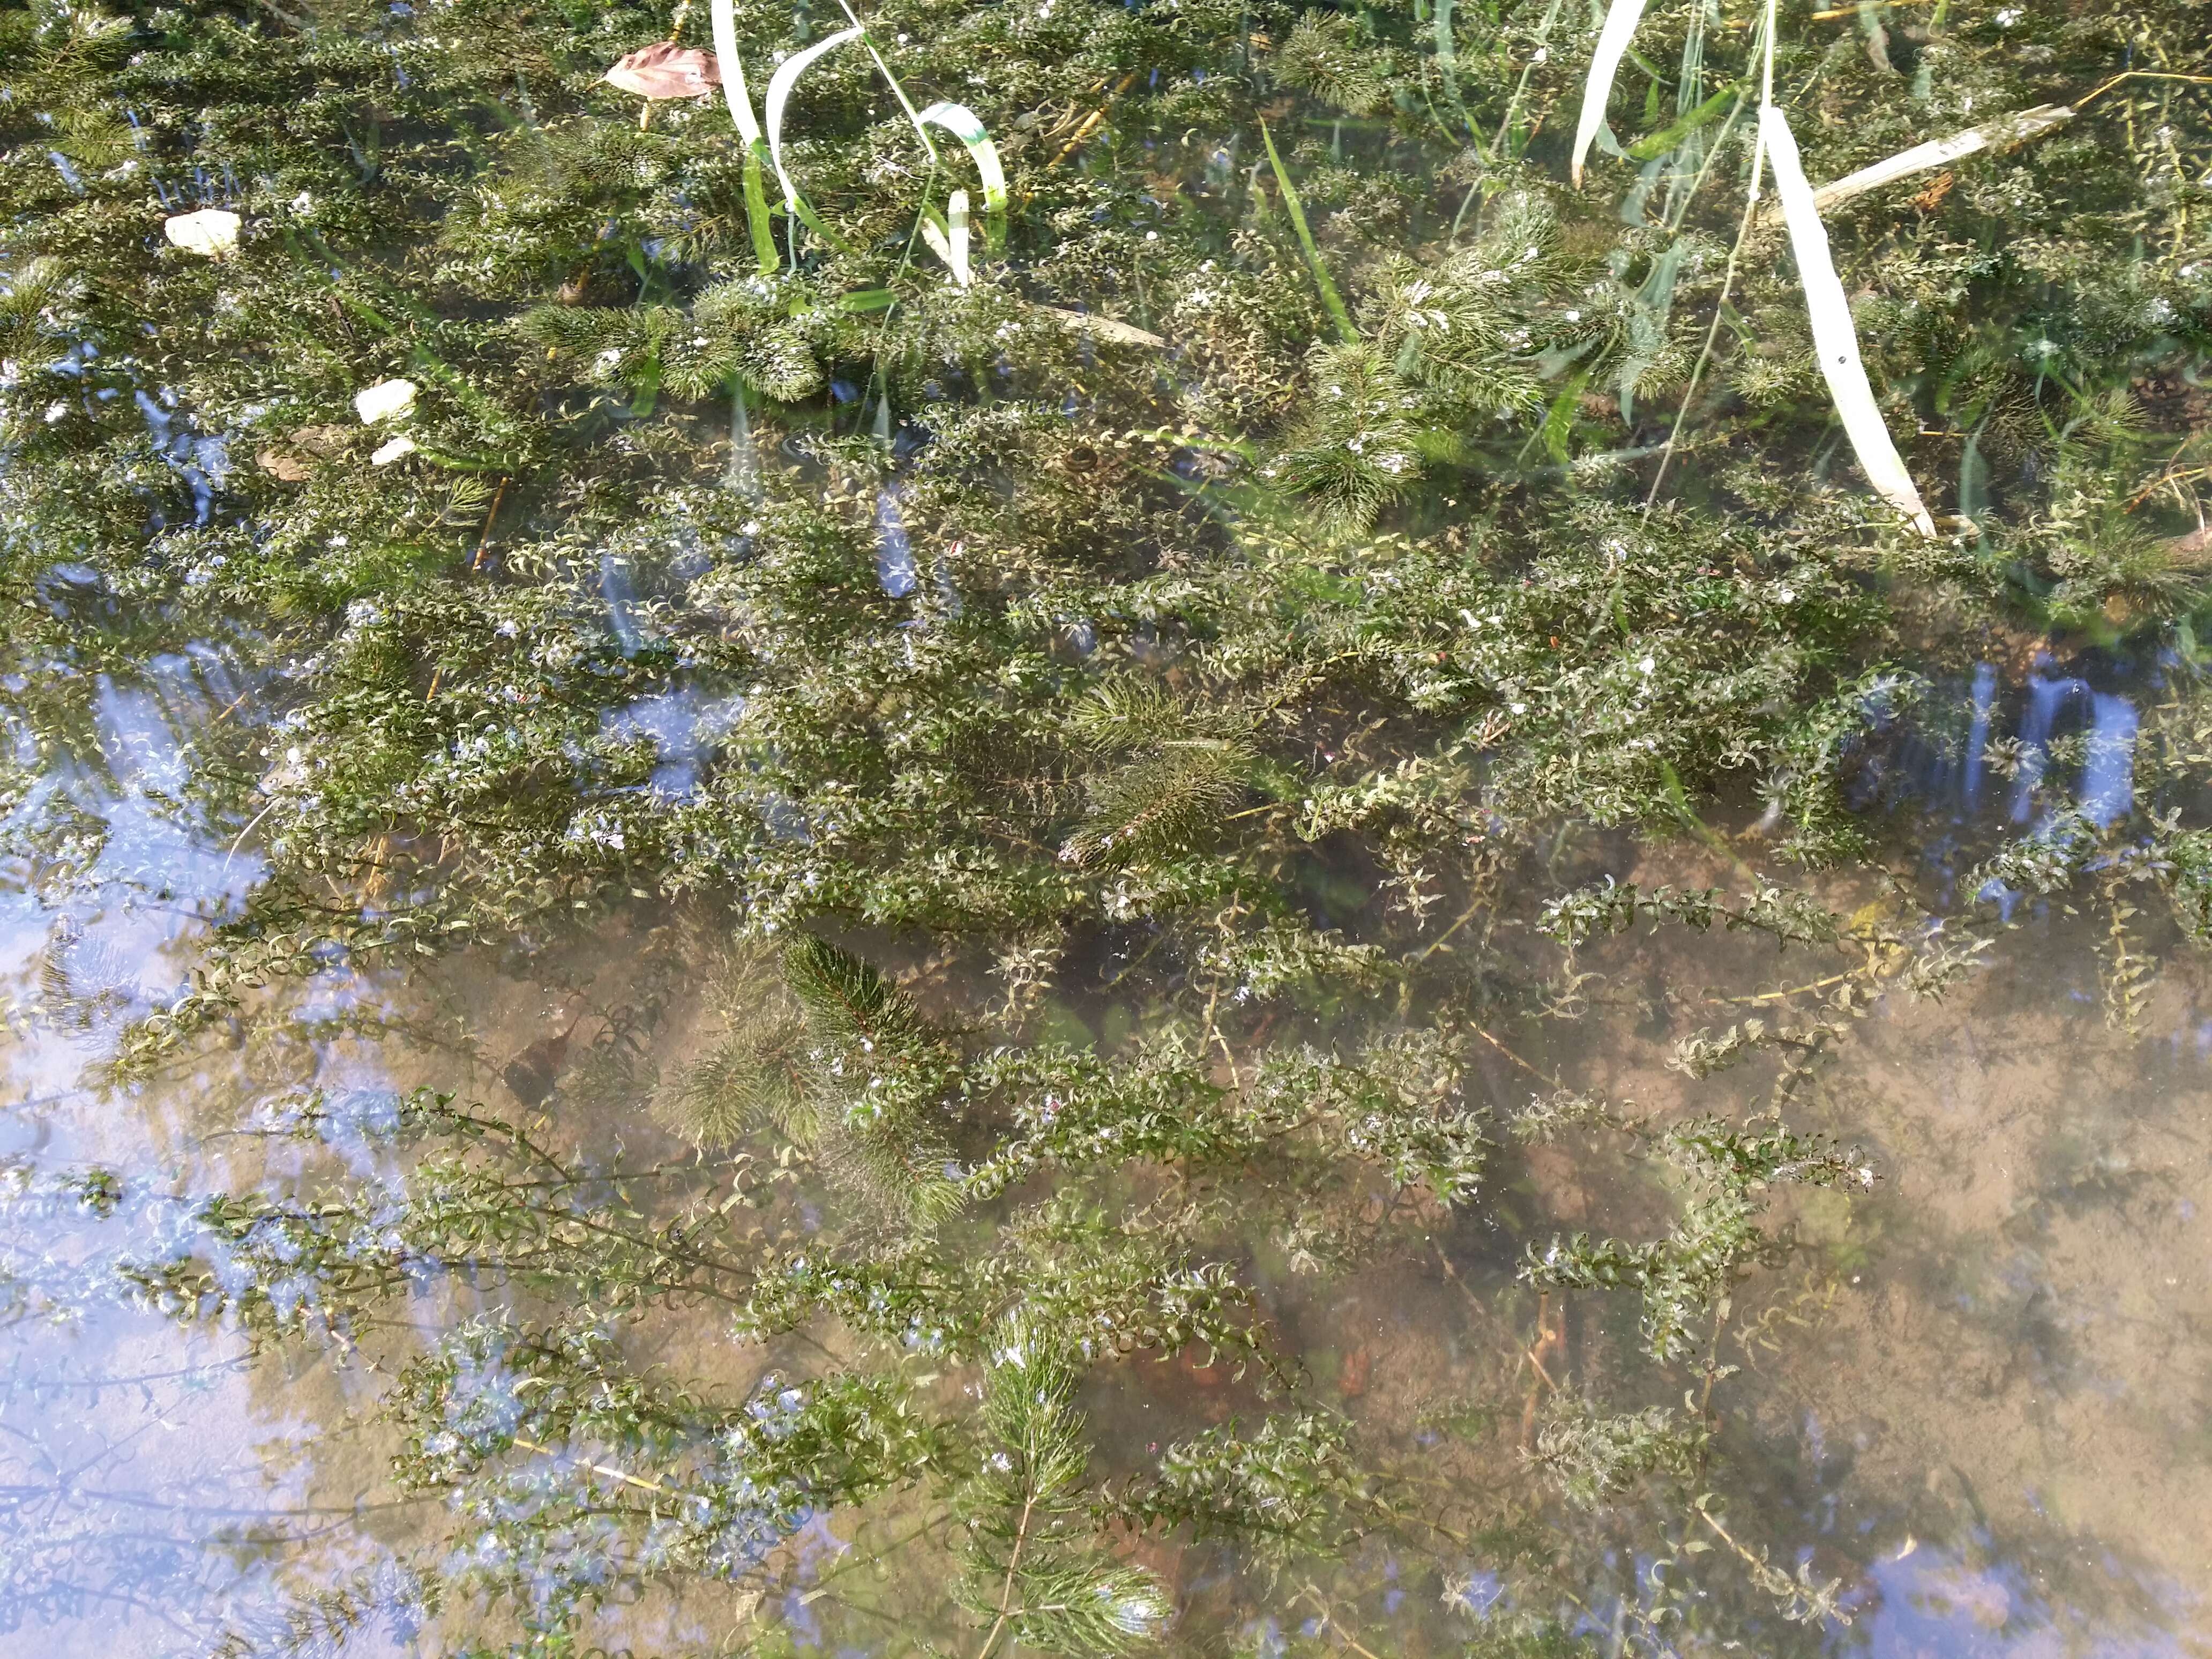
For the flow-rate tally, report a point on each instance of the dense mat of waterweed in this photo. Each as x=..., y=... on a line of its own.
x=1213, y=607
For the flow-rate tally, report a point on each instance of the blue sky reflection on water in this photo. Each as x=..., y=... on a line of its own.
x=1933, y=1605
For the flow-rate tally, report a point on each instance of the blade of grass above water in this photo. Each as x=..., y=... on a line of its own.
x=1835, y=339
x=780, y=88
x=967, y=126
x=1613, y=41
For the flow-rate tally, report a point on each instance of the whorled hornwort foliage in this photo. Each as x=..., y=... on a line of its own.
x=1111, y=609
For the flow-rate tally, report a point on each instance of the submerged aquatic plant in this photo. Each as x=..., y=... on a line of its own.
x=1251, y=599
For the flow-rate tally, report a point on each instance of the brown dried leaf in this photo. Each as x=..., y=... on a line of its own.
x=323, y=440
x=664, y=70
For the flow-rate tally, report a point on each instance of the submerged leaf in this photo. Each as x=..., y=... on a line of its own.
x=664, y=70
x=1329, y=297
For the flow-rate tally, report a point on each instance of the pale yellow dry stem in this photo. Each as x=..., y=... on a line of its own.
x=623, y=1476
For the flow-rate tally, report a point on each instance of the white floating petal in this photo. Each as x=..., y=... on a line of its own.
x=208, y=232
x=393, y=450
x=385, y=401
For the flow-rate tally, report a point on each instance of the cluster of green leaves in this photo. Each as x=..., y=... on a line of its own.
x=458, y=203
x=1684, y=1277
x=849, y=1070
x=536, y=1436
x=1594, y=1457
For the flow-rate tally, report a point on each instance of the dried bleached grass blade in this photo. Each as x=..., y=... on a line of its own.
x=779, y=86
x=1941, y=152
x=950, y=243
x=735, y=93
x=967, y=126
x=1612, y=40
x=1834, y=337
x=1106, y=328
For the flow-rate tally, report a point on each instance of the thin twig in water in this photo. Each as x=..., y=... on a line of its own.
x=1092, y=121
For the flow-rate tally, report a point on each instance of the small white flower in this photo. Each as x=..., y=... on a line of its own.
x=210, y=232
x=1520, y=708
x=386, y=400
x=303, y=202
x=1648, y=663
x=392, y=451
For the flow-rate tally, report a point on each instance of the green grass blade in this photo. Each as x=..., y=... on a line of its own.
x=1329, y=297
x=1658, y=143
x=756, y=211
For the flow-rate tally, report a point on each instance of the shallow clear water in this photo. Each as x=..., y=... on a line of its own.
x=1976, y=1394
x=1981, y=1395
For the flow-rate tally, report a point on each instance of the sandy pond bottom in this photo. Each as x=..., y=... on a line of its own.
x=1984, y=1388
